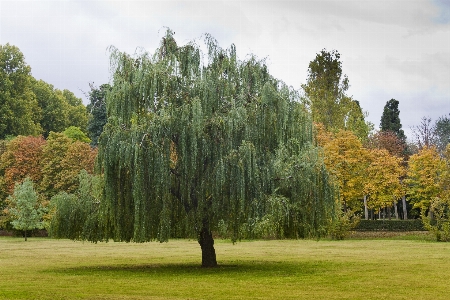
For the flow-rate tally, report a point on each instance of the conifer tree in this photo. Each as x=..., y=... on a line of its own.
x=390, y=119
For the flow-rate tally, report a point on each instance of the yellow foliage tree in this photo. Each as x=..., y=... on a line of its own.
x=426, y=170
x=346, y=159
x=382, y=185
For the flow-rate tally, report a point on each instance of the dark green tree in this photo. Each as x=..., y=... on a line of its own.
x=390, y=119
x=97, y=111
x=19, y=109
x=190, y=146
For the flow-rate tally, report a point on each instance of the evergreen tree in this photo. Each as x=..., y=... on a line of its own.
x=190, y=146
x=390, y=119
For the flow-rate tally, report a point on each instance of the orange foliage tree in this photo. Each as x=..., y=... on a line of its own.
x=22, y=159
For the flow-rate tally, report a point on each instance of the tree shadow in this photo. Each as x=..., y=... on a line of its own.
x=251, y=268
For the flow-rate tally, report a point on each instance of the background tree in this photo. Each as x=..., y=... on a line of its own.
x=76, y=134
x=442, y=134
x=97, y=111
x=424, y=134
x=188, y=146
x=325, y=91
x=390, y=119
x=59, y=109
x=21, y=159
x=383, y=182
x=53, y=153
x=24, y=209
x=346, y=159
x=19, y=109
x=424, y=177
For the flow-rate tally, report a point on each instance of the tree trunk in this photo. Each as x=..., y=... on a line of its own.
x=405, y=211
x=395, y=210
x=389, y=212
x=25, y=235
x=366, y=210
x=206, y=242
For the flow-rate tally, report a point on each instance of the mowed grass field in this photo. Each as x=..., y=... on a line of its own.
x=389, y=268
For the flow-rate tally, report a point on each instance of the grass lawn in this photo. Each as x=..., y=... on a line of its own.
x=379, y=268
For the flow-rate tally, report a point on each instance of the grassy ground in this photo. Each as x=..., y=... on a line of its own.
x=408, y=267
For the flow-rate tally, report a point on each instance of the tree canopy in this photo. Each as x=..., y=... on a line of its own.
x=326, y=96
x=190, y=145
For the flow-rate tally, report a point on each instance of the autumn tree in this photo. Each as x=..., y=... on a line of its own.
x=424, y=177
x=383, y=182
x=24, y=208
x=188, y=146
x=346, y=159
x=62, y=159
x=21, y=159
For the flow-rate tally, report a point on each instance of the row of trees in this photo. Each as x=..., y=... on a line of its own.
x=52, y=164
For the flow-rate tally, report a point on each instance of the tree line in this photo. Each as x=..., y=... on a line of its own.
x=188, y=147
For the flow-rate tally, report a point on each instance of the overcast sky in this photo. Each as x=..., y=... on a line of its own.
x=389, y=48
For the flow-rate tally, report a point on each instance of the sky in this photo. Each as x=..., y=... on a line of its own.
x=389, y=48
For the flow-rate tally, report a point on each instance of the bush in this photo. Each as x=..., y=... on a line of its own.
x=342, y=225
x=390, y=225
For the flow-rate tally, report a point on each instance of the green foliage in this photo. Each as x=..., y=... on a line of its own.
x=326, y=97
x=59, y=109
x=438, y=222
x=189, y=145
x=19, y=109
x=76, y=134
x=390, y=225
x=24, y=209
x=442, y=133
x=341, y=226
x=76, y=216
x=97, y=112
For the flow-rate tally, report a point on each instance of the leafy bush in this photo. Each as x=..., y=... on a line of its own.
x=342, y=225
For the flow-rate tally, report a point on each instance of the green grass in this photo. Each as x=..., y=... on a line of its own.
x=406, y=268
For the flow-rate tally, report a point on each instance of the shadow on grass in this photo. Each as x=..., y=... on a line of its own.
x=239, y=268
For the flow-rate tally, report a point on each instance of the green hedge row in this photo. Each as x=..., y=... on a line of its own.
x=390, y=225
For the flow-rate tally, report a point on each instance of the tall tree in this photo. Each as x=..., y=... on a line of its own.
x=188, y=146
x=390, y=119
x=97, y=111
x=19, y=109
x=24, y=209
x=325, y=91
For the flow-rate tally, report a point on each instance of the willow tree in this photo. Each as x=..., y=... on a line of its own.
x=192, y=142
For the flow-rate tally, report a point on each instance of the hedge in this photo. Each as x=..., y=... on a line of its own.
x=390, y=225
